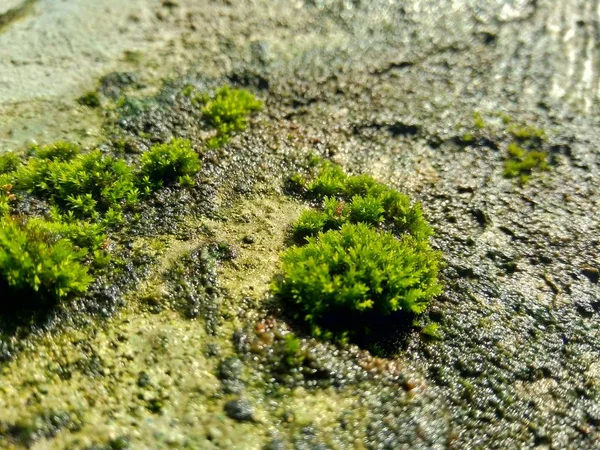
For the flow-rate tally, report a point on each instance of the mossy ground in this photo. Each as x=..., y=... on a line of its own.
x=380, y=89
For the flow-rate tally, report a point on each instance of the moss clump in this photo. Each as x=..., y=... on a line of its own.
x=365, y=256
x=34, y=261
x=9, y=162
x=358, y=199
x=86, y=195
x=5, y=198
x=525, y=150
x=355, y=275
x=331, y=180
x=527, y=133
x=58, y=151
x=478, y=121
x=90, y=99
x=228, y=112
x=85, y=185
x=167, y=163
x=521, y=163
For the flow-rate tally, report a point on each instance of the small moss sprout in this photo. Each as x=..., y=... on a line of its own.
x=228, y=113
x=521, y=163
x=174, y=161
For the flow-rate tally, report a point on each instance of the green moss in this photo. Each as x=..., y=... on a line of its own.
x=478, y=121
x=58, y=151
x=359, y=198
x=367, y=209
x=522, y=163
x=131, y=56
x=431, y=331
x=506, y=119
x=527, y=132
x=91, y=99
x=342, y=280
x=197, y=98
x=293, y=354
x=86, y=185
x=48, y=257
x=9, y=162
x=167, y=163
x=331, y=180
x=5, y=197
x=228, y=112
x=366, y=256
x=82, y=233
x=309, y=224
x=33, y=260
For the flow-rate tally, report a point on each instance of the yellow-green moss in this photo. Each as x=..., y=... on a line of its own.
x=365, y=256
x=228, y=112
x=522, y=163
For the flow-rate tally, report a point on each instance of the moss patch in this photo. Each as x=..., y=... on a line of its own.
x=82, y=197
x=34, y=263
x=366, y=257
x=228, y=113
x=522, y=163
x=91, y=99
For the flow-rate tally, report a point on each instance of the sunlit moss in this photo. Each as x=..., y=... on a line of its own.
x=33, y=261
x=365, y=255
x=228, y=112
x=170, y=162
x=360, y=198
x=342, y=280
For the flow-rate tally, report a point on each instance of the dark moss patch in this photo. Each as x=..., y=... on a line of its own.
x=193, y=287
x=91, y=99
x=12, y=15
x=45, y=425
x=114, y=85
